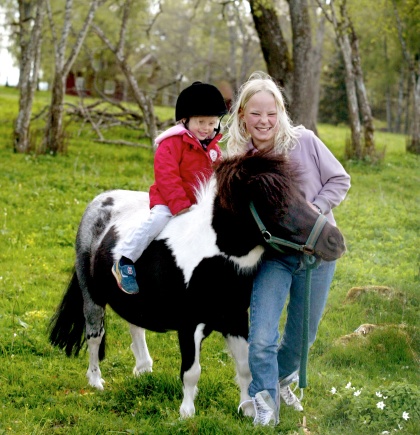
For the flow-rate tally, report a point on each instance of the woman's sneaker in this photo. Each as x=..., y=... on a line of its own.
x=289, y=398
x=266, y=412
x=126, y=277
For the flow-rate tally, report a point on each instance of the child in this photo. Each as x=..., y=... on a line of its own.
x=185, y=156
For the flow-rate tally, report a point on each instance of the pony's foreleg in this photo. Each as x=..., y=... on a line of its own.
x=190, y=367
x=238, y=347
x=94, y=315
x=144, y=361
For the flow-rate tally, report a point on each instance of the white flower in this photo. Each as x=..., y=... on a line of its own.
x=405, y=416
x=357, y=393
x=385, y=432
x=380, y=405
x=379, y=394
x=333, y=390
x=348, y=385
x=385, y=397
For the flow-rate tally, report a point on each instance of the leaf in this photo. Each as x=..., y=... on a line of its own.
x=22, y=323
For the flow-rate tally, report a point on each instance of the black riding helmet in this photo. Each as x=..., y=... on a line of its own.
x=200, y=99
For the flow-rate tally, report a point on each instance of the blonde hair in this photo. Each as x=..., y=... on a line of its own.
x=237, y=136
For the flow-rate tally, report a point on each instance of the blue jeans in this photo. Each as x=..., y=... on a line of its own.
x=278, y=277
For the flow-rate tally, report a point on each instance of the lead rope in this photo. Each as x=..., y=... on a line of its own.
x=310, y=262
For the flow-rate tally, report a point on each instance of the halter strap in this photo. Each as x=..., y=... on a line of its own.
x=274, y=242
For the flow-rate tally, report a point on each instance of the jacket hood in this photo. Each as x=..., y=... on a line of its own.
x=176, y=130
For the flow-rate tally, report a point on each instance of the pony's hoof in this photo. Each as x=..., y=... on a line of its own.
x=186, y=411
x=248, y=410
x=137, y=371
x=96, y=382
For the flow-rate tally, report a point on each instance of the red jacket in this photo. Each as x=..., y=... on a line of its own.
x=180, y=164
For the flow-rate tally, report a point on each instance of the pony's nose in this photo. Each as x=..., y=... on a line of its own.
x=337, y=243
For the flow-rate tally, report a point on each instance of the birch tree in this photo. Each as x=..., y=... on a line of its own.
x=53, y=136
x=31, y=17
x=296, y=73
x=358, y=104
x=412, y=59
x=142, y=99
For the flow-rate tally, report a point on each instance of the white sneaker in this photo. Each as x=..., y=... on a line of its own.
x=289, y=398
x=266, y=412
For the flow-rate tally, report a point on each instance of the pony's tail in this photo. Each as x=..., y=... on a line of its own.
x=67, y=326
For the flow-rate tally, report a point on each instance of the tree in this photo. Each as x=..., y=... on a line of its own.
x=31, y=16
x=357, y=100
x=142, y=99
x=53, y=137
x=411, y=54
x=295, y=74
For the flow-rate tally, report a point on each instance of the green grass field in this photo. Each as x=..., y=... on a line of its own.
x=44, y=392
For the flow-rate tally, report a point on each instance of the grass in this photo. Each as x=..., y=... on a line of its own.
x=43, y=392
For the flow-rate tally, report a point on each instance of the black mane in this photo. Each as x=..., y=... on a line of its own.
x=257, y=175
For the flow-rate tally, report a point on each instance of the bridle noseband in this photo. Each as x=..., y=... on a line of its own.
x=308, y=249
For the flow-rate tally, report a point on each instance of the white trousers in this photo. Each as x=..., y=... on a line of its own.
x=140, y=237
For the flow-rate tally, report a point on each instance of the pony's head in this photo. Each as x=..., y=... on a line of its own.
x=271, y=182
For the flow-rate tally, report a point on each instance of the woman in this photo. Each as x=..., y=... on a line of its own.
x=259, y=122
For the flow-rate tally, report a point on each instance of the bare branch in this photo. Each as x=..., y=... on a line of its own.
x=52, y=26
x=149, y=28
x=82, y=35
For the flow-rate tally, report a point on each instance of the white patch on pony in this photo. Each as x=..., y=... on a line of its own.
x=128, y=209
x=249, y=261
x=190, y=236
x=238, y=347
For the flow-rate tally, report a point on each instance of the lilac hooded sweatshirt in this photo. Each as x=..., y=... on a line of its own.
x=324, y=180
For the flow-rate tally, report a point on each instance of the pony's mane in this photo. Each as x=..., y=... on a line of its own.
x=204, y=189
x=255, y=175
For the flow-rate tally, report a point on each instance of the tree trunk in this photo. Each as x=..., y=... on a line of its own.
x=342, y=29
x=301, y=110
x=54, y=135
x=317, y=66
x=355, y=150
x=273, y=44
x=400, y=103
x=413, y=62
x=30, y=49
x=143, y=100
x=366, y=113
x=414, y=145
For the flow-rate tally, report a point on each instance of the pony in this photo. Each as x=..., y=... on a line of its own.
x=195, y=277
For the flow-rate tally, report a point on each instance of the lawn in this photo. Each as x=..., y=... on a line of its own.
x=364, y=383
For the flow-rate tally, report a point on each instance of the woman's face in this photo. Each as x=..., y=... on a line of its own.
x=260, y=117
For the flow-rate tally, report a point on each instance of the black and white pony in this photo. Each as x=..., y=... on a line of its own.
x=196, y=277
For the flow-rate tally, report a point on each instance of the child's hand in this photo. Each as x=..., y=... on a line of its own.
x=184, y=210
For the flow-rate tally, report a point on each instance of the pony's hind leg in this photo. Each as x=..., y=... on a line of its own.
x=94, y=315
x=144, y=361
x=238, y=347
